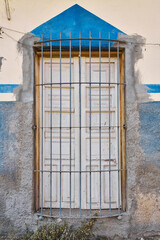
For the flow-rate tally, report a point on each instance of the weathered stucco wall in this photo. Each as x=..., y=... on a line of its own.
x=27, y=15
x=142, y=156
x=17, y=150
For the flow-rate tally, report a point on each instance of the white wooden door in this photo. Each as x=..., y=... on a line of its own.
x=95, y=135
x=85, y=139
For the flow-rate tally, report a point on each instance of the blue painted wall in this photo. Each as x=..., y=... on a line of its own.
x=153, y=88
x=150, y=130
x=7, y=88
x=74, y=20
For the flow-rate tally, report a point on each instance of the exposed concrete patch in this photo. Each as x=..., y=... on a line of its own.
x=134, y=48
x=24, y=92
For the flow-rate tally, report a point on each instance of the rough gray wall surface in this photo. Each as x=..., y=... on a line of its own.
x=17, y=149
x=142, y=156
x=16, y=168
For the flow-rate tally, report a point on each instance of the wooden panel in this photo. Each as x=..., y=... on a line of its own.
x=122, y=132
x=65, y=54
x=37, y=132
x=104, y=134
x=65, y=133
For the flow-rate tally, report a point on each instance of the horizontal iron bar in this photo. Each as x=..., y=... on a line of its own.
x=82, y=216
x=65, y=83
x=77, y=39
x=92, y=127
x=94, y=171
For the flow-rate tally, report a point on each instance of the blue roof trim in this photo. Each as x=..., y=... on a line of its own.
x=153, y=88
x=7, y=88
x=74, y=20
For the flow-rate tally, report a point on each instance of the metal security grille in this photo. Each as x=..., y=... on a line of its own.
x=80, y=167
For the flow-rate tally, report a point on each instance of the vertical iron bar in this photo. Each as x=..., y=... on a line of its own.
x=41, y=217
x=70, y=124
x=109, y=132
x=118, y=128
x=51, y=127
x=100, y=177
x=90, y=122
x=60, y=128
x=80, y=122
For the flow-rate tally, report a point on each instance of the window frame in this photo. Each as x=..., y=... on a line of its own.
x=46, y=54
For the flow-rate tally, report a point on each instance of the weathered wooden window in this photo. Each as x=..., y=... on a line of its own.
x=80, y=139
